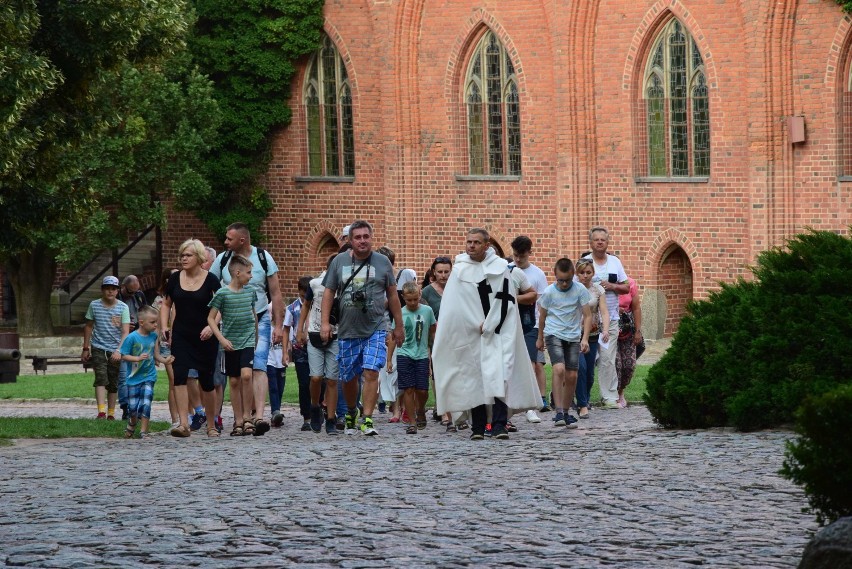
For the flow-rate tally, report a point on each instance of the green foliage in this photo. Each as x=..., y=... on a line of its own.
x=846, y=5
x=751, y=353
x=820, y=460
x=249, y=50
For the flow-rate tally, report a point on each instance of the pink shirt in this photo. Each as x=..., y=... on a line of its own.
x=625, y=300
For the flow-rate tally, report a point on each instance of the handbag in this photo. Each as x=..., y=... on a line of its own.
x=334, y=315
x=315, y=338
x=627, y=325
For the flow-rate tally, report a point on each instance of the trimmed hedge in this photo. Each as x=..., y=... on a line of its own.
x=820, y=460
x=749, y=355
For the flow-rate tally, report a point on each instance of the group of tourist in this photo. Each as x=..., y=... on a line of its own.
x=362, y=335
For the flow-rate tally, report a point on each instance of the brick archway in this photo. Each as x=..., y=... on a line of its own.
x=319, y=244
x=671, y=266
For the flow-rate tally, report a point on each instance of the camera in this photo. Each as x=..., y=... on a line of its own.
x=359, y=296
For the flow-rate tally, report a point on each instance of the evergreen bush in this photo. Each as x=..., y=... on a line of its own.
x=820, y=460
x=754, y=350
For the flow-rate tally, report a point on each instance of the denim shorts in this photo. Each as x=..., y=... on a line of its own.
x=358, y=354
x=236, y=360
x=412, y=373
x=323, y=361
x=563, y=352
x=264, y=341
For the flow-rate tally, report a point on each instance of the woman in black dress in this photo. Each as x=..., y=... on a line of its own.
x=192, y=341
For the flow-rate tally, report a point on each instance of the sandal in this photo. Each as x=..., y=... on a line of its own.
x=129, y=430
x=411, y=430
x=393, y=420
x=451, y=428
x=212, y=431
x=248, y=428
x=237, y=432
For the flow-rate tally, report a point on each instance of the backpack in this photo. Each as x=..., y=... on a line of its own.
x=261, y=255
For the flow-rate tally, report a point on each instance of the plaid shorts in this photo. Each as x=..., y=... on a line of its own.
x=357, y=354
x=139, y=398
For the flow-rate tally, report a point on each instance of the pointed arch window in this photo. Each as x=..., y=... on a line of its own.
x=845, y=138
x=328, y=112
x=676, y=107
x=493, y=111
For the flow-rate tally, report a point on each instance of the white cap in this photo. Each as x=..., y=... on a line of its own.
x=109, y=281
x=345, y=232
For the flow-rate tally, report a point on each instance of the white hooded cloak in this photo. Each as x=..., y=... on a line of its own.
x=470, y=368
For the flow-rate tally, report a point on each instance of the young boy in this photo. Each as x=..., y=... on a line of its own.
x=140, y=349
x=412, y=361
x=563, y=312
x=107, y=325
x=238, y=338
x=298, y=355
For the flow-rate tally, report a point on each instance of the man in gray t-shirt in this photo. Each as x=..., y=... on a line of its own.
x=365, y=284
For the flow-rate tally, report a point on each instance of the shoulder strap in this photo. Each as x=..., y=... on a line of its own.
x=399, y=274
x=352, y=276
x=261, y=255
x=226, y=256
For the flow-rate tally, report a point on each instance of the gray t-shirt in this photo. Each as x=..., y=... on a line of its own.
x=363, y=303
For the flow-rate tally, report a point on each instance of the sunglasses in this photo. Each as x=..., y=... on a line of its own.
x=442, y=261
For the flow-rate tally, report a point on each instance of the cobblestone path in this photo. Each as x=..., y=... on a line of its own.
x=618, y=492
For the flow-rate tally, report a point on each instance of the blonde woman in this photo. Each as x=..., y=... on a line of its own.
x=193, y=345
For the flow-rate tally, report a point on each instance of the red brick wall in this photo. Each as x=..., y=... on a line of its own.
x=675, y=282
x=579, y=67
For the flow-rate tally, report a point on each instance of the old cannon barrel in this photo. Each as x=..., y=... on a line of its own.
x=9, y=355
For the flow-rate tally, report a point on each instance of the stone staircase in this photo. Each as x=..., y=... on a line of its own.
x=139, y=261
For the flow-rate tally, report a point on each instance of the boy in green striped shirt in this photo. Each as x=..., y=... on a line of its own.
x=238, y=338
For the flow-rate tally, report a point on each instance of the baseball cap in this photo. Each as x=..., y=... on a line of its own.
x=110, y=281
x=345, y=231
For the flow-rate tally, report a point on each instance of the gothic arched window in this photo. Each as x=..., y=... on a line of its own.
x=677, y=106
x=493, y=111
x=328, y=112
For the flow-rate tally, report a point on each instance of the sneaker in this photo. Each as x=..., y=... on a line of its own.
x=367, y=427
x=341, y=424
x=383, y=407
x=351, y=422
x=144, y=435
x=609, y=405
x=103, y=416
x=571, y=421
x=545, y=408
x=559, y=420
x=306, y=426
x=277, y=419
x=532, y=417
x=474, y=436
x=316, y=418
x=197, y=422
x=501, y=434
x=330, y=427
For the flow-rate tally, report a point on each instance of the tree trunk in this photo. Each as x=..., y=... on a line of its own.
x=32, y=275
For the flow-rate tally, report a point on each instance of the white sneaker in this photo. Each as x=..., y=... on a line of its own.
x=532, y=417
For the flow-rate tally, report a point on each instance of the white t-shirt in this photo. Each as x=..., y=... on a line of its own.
x=315, y=316
x=538, y=280
x=612, y=266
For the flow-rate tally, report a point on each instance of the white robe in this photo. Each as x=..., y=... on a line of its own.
x=471, y=369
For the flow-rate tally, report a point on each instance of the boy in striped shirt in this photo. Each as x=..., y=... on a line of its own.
x=238, y=338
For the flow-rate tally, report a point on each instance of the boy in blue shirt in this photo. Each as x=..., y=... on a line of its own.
x=412, y=360
x=141, y=349
x=564, y=315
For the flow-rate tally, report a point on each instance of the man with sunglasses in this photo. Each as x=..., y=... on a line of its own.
x=478, y=336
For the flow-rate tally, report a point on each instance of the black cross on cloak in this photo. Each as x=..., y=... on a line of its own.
x=484, y=289
x=506, y=297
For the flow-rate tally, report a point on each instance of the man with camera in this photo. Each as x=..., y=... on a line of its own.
x=365, y=286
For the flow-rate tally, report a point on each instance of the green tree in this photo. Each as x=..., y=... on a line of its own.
x=100, y=121
x=249, y=49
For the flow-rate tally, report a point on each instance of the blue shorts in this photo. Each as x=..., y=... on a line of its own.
x=264, y=341
x=412, y=373
x=357, y=354
x=139, y=398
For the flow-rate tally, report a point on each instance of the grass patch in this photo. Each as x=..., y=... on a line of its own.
x=58, y=428
x=79, y=385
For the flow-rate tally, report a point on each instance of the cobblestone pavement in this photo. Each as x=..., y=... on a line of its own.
x=617, y=492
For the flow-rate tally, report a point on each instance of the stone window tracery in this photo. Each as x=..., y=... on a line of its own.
x=328, y=112
x=493, y=111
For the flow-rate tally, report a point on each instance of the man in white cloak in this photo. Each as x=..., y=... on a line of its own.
x=474, y=354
